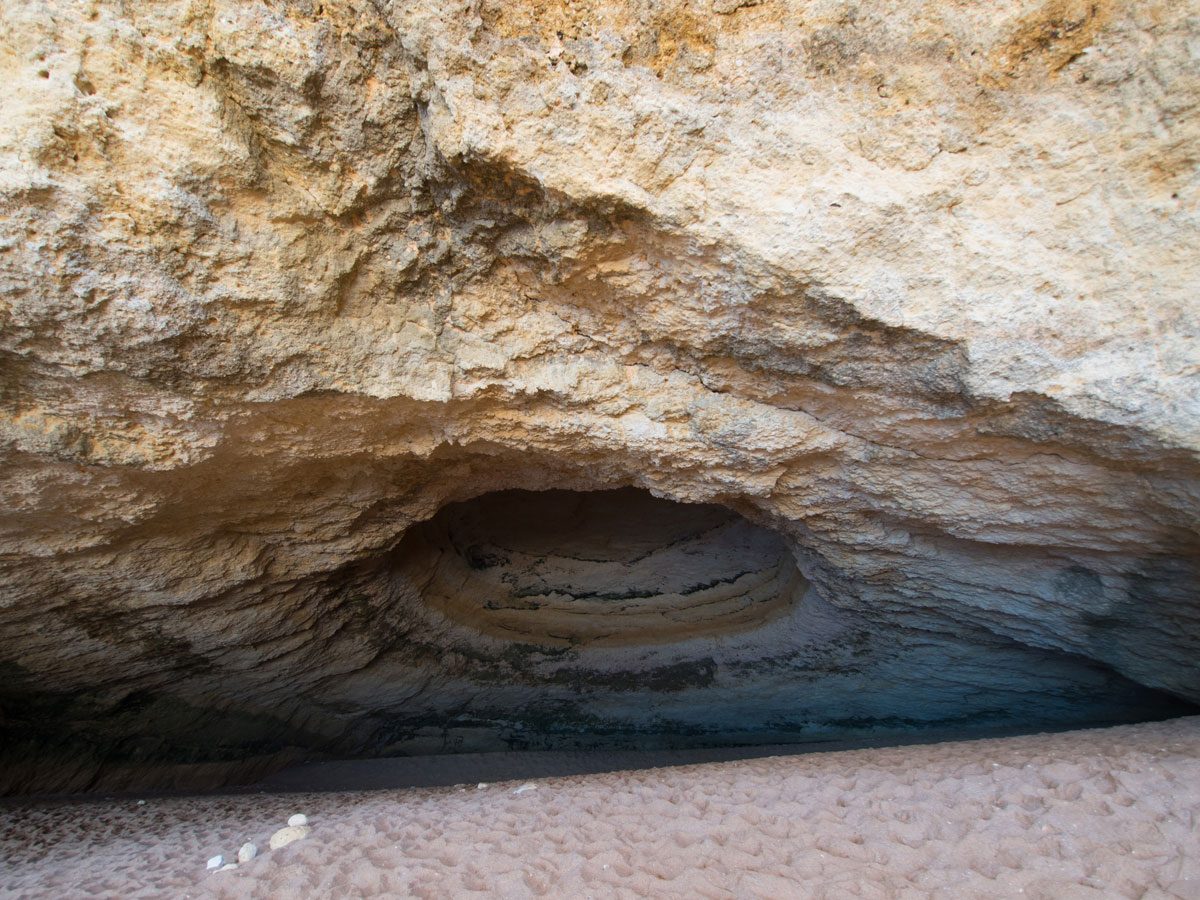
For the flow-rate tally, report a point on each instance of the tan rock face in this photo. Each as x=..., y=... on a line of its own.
x=911, y=291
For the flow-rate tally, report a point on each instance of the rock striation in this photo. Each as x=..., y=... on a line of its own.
x=872, y=330
x=560, y=569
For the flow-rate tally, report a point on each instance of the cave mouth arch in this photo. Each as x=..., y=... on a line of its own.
x=617, y=620
x=555, y=620
x=614, y=568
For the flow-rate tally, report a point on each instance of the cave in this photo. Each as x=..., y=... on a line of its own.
x=557, y=620
x=425, y=394
x=616, y=619
x=363, y=395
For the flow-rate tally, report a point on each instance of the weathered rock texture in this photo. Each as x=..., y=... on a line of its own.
x=911, y=289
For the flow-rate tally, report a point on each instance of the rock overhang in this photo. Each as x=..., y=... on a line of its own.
x=281, y=284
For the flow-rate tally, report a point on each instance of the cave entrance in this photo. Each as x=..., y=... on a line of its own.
x=596, y=625
x=614, y=620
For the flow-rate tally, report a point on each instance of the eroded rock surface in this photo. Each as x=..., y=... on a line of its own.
x=912, y=291
x=562, y=569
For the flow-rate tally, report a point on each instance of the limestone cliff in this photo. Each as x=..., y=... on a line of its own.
x=904, y=296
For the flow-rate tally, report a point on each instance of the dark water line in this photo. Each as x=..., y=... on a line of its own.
x=446, y=770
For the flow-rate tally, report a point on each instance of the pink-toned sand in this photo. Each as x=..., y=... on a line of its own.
x=1092, y=814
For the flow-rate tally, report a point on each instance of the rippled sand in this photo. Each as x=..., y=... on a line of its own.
x=1091, y=814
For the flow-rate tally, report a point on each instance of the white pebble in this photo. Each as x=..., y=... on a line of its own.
x=297, y=820
x=227, y=867
x=291, y=834
x=481, y=786
x=216, y=862
x=247, y=852
x=528, y=786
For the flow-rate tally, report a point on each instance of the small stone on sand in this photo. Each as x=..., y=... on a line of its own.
x=247, y=852
x=285, y=836
x=297, y=820
x=216, y=862
x=528, y=786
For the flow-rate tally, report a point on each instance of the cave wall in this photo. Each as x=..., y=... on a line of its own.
x=279, y=281
x=584, y=620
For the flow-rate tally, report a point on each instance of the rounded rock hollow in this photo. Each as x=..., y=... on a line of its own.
x=603, y=568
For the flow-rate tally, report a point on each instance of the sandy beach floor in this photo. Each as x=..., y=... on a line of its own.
x=1089, y=814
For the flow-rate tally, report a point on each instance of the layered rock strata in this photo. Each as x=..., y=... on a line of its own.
x=911, y=294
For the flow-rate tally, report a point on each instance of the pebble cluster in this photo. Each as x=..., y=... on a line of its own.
x=297, y=828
